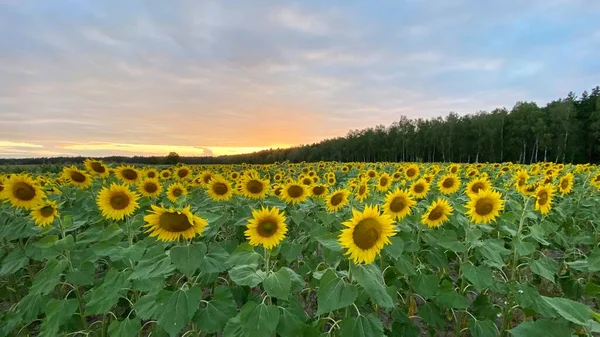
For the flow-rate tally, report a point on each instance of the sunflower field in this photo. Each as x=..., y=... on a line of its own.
x=309, y=249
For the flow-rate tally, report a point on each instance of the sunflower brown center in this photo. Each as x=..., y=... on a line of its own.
x=77, y=176
x=564, y=184
x=119, y=201
x=177, y=192
x=150, y=187
x=295, y=191
x=266, y=228
x=383, y=181
x=362, y=189
x=454, y=169
x=174, y=222
x=278, y=191
x=410, y=172
x=397, y=175
x=542, y=198
x=220, y=188
x=23, y=191
x=98, y=167
x=47, y=211
x=151, y=174
x=206, y=178
x=337, y=199
x=418, y=188
x=129, y=174
x=183, y=173
x=484, y=206
x=318, y=190
x=521, y=181
x=306, y=181
x=254, y=186
x=448, y=182
x=1, y=187
x=436, y=213
x=371, y=174
x=366, y=233
x=397, y=204
x=165, y=174
x=331, y=180
x=476, y=187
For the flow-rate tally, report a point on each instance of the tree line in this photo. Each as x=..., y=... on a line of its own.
x=565, y=130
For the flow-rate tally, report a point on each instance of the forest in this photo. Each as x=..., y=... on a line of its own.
x=566, y=130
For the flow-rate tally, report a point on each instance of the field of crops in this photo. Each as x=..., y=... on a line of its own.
x=310, y=249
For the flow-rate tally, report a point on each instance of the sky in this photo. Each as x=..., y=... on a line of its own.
x=114, y=77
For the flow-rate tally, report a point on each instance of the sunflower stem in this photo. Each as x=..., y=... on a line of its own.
x=268, y=268
x=349, y=281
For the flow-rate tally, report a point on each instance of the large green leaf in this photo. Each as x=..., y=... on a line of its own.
x=152, y=267
x=449, y=240
x=572, y=311
x=485, y=328
x=481, y=277
x=215, y=261
x=243, y=254
x=103, y=297
x=278, y=284
x=31, y=306
x=396, y=248
x=125, y=328
x=49, y=277
x=369, y=277
x=150, y=305
x=187, y=258
x=330, y=241
x=432, y=315
x=291, y=320
x=57, y=313
x=367, y=326
x=262, y=320
x=246, y=275
x=14, y=261
x=544, y=267
x=213, y=317
x=425, y=285
x=405, y=265
x=291, y=251
x=449, y=298
x=594, y=260
x=542, y=328
x=82, y=276
x=334, y=293
x=179, y=310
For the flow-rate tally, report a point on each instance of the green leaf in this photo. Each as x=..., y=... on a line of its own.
x=84, y=275
x=524, y=248
x=449, y=298
x=594, y=260
x=291, y=251
x=544, y=267
x=187, y=258
x=215, y=261
x=14, y=261
x=152, y=267
x=480, y=277
x=47, y=241
x=330, y=241
x=449, y=240
x=541, y=328
x=213, y=317
x=180, y=309
x=405, y=266
x=297, y=280
x=243, y=254
x=57, y=312
x=396, y=248
x=485, y=328
x=425, y=285
x=492, y=251
x=432, y=315
x=278, y=284
x=246, y=275
x=262, y=320
x=369, y=277
x=572, y=311
x=49, y=277
x=368, y=326
x=334, y=293
x=106, y=295
x=125, y=328
x=31, y=306
x=151, y=305
x=291, y=320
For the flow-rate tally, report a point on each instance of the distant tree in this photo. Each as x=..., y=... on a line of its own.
x=172, y=158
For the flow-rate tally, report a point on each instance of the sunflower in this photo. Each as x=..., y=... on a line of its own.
x=22, y=191
x=151, y=173
x=219, y=189
x=484, y=206
x=172, y=224
x=234, y=175
x=419, y=189
x=384, y=182
x=267, y=227
x=305, y=180
x=449, y=183
x=128, y=174
x=371, y=174
x=412, y=172
x=397, y=175
x=277, y=177
x=183, y=172
x=521, y=178
x=276, y=189
x=76, y=177
x=398, y=204
x=454, y=168
x=437, y=213
x=294, y=193
x=543, y=198
x=318, y=190
x=150, y=187
x=96, y=167
x=566, y=184
x=529, y=189
x=331, y=180
x=45, y=214
x=476, y=185
x=206, y=176
x=367, y=233
x=175, y=190
x=252, y=186
x=165, y=174
x=362, y=192
x=336, y=200
x=117, y=201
